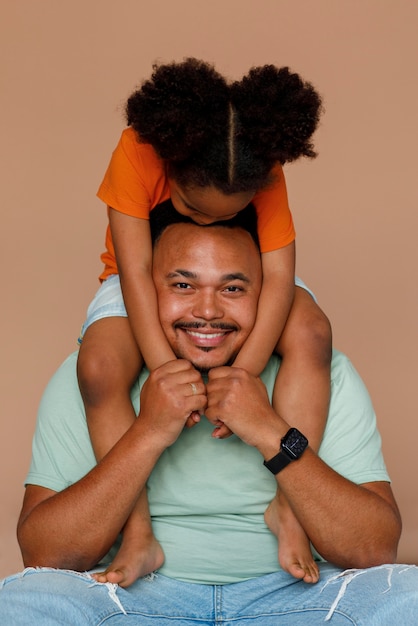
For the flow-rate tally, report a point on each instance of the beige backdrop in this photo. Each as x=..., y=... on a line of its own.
x=66, y=68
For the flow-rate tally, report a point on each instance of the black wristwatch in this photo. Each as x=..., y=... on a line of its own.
x=293, y=445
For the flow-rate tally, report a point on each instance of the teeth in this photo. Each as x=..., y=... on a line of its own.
x=205, y=335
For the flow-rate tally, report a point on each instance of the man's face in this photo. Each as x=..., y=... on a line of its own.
x=208, y=281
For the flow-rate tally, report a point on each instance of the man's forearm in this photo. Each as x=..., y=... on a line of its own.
x=75, y=528
x=349, y=525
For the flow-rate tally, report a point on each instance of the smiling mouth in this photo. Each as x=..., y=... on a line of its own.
x=206, y=340
x=194, y=333
x=206, y=336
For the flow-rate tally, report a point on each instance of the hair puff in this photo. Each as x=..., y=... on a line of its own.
x=178, y=107
x=277, y=113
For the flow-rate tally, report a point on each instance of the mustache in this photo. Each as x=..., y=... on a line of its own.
x=211, y=325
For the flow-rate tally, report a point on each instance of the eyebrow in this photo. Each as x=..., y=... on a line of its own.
x=184, y=273
x=236, y=276
x=225, y=278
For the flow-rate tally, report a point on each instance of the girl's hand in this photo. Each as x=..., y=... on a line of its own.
x=221, y=431
x=193, y=419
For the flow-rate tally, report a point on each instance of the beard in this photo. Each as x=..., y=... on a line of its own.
x=201, y=367
x=204, y=370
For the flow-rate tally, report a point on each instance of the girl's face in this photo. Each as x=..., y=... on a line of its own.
x=205, y=205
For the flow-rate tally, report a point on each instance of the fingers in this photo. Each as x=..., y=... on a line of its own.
x=196, y=387
x=221, y=432
x=239, y=401
x=193, y=419
x=222, y=372
x=195, y=390
x=174, y=391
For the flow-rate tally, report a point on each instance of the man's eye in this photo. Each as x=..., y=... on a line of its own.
x=182, y=285
x=233, y=289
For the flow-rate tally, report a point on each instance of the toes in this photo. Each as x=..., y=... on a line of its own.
x=312, y=574
x=296, y=570
x=117, y=577
x=100, y=577
x=308, y=572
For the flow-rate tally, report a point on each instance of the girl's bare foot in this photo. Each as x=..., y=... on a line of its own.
x=295, y=555
x=134, y=560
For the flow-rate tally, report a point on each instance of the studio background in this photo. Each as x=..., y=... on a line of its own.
x=66, y=70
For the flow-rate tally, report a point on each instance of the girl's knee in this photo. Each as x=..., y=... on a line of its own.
x=316, y=334
x=102, y=374
x=108, y=361
x=308, y=334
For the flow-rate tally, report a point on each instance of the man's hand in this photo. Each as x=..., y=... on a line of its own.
x=174, y=395
x=240, y=401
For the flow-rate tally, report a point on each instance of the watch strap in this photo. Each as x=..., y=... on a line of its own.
x=278, y=462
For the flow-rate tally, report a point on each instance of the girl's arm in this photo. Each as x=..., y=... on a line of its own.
x=275, y=302
x=133, y=250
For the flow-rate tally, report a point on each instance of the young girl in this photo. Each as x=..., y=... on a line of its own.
x=212, y=147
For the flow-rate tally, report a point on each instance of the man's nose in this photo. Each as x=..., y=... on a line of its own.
x=207, y=306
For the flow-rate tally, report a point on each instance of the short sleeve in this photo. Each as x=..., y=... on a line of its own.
x=351, y=444
x=61, y=448
x=135, y=179
x=275, y=223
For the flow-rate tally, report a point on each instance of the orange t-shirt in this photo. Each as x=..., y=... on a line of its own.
x=135, y=183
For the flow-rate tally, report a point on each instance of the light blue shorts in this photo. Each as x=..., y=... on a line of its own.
x=108, y=302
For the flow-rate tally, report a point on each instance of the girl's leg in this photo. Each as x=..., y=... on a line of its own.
x=301, y=396
x=108, y=364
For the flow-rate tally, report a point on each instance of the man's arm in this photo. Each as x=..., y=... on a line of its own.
x=349, y=525
x=76, y=527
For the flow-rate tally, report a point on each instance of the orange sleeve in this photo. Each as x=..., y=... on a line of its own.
x=134, y=183
x=135, y=179
x=275, y=223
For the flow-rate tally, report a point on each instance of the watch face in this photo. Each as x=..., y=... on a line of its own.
x=294, y=443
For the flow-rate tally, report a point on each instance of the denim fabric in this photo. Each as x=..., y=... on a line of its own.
x=380, y=596
x=108, y=302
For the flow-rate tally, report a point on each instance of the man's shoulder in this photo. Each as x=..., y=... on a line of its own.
x=65, y=377
x=345, y=375
x=61, y=398
x=342, y=370
x=268, y=375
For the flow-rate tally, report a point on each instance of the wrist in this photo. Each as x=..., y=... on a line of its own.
x=271, y=435
x=292, y=447
x=251, y=367
x=147, y=441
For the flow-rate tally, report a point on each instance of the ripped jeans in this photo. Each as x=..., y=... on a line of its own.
x=379, y=596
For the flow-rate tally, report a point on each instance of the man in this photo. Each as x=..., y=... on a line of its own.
x=208, y=496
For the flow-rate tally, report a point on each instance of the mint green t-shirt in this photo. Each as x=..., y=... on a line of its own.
x=207, y=496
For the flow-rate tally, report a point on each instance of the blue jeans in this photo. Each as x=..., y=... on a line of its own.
x=380, y=596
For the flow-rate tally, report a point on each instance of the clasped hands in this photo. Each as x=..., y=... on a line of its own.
x=234, y=401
